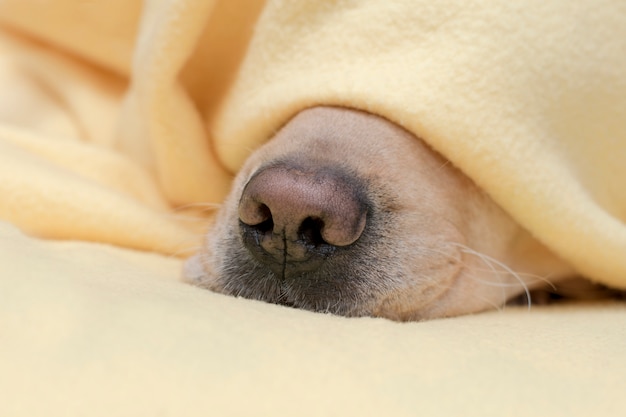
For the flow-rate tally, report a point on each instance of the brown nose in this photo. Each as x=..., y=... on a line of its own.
x=293, y=217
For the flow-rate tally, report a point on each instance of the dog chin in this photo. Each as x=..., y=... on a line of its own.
x=427, y=299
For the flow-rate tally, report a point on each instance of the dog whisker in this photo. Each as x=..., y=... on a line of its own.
x=534, y=278
x=445, y=164
x=492, y=263
x=470, y=271
x=506, y=270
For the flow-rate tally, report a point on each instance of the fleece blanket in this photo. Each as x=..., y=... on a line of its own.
x=122, y=123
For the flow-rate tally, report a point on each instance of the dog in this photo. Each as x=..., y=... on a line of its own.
x=345, y=212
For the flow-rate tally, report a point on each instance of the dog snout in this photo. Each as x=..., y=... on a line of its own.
x=292, y=218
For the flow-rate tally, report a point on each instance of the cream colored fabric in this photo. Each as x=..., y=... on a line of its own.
x=118, y=116
x=527, y=97
x=92, y=330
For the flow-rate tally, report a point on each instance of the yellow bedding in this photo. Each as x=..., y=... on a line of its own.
x=93, y=330
x=122, y=123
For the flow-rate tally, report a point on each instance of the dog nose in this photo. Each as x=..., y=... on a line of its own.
x=292, y=218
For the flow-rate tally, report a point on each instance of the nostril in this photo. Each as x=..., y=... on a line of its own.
x=264, y=227
x=310, y=231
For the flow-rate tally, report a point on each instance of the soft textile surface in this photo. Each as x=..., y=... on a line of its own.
x=138, y=110
x=88, y=330
x=121, y=122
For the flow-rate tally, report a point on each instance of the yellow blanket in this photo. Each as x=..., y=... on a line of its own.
x=122, y=122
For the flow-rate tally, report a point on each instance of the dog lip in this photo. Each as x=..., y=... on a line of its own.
x=431, y=294
x=285, y=258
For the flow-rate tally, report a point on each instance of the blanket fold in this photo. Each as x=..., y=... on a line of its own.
x=107, y=158
x=527, y=98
